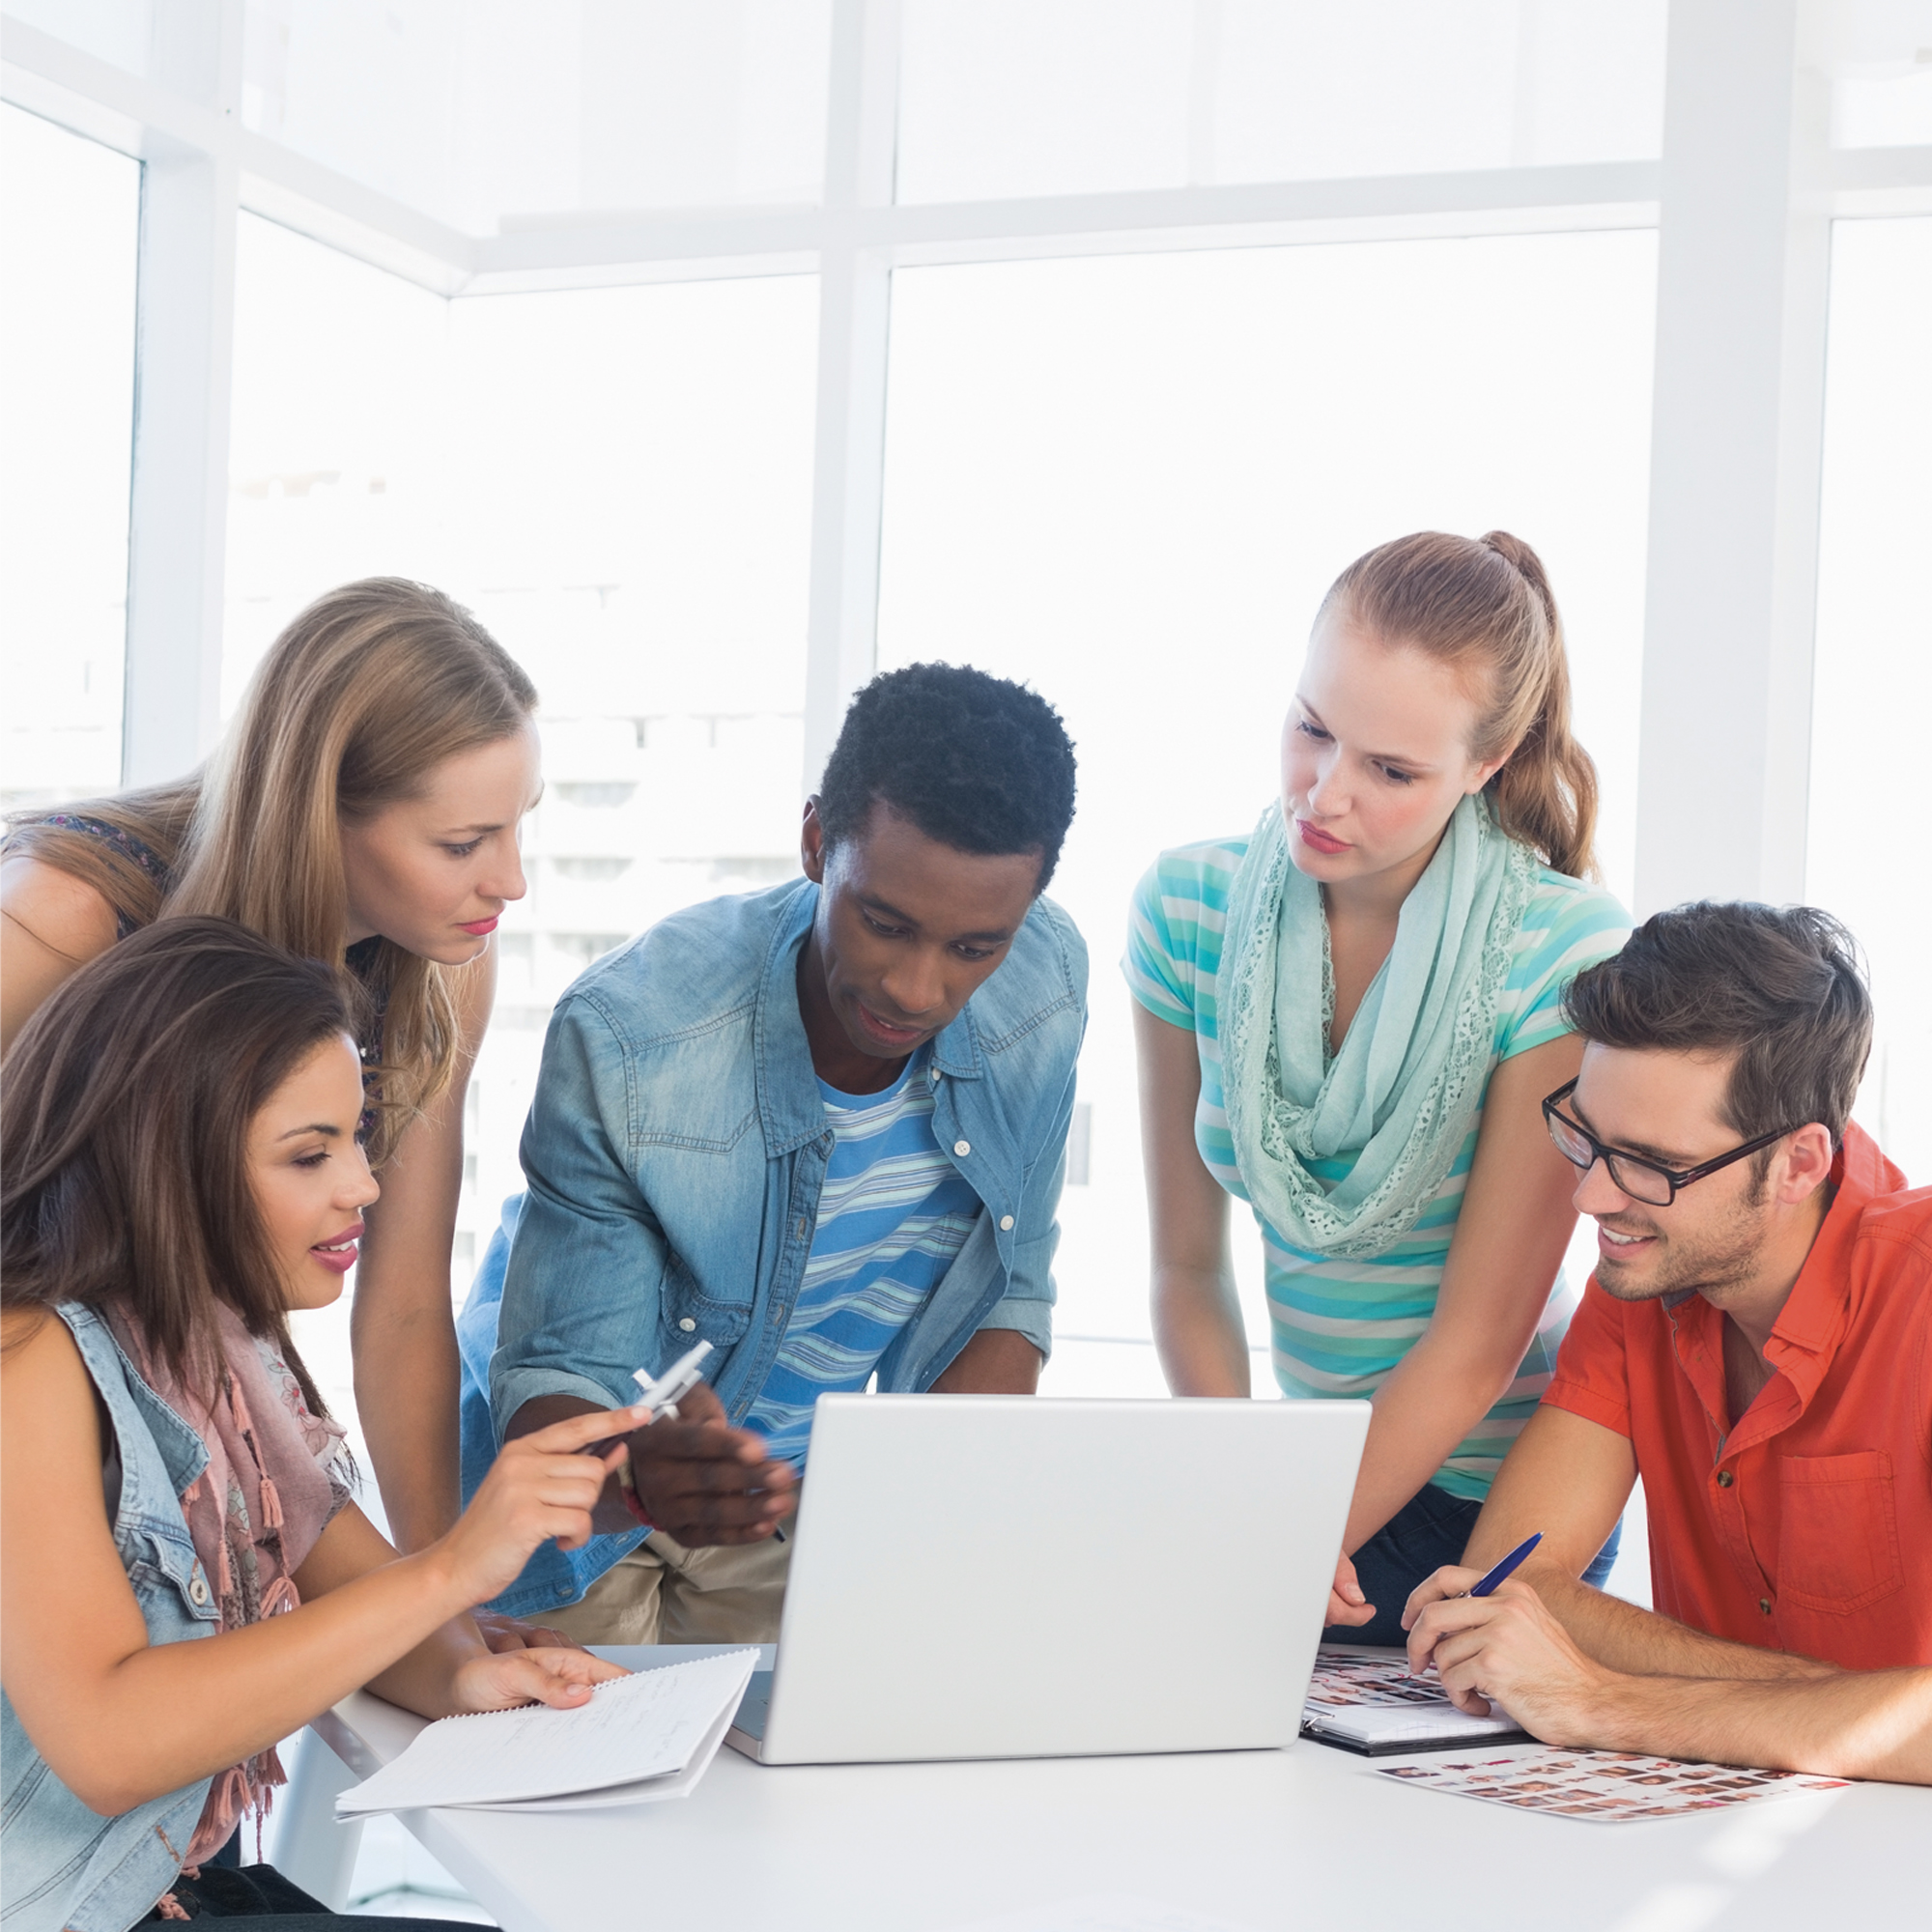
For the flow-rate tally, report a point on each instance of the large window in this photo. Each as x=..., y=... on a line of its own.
x=71, y=215
x=617, y=482
x=1067, y=97
x=485, y=116
x=1874, y=663
x=1129, y=482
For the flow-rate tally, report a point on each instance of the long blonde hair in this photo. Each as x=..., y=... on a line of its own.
x=358, y=699
x=1465, y=601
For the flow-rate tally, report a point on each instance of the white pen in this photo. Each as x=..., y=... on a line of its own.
x=662, y=1393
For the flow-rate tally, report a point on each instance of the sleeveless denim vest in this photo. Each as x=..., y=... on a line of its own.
x=67, y=1868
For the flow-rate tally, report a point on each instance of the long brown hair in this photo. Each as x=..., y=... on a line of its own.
x=156, y=817
x=123, y=1132
x=1465, y=601
x=358, y=699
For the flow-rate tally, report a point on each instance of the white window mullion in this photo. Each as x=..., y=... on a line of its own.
x=1742, y=286
x=184, y=338
x=855, y=301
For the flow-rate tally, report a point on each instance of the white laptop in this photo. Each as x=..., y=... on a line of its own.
x=1020, y=1576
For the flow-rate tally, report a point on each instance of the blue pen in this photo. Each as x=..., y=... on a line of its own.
x=1486, y=1585
x=1501, y=1572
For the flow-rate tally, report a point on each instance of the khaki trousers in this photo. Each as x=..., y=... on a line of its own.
x=665, y=1593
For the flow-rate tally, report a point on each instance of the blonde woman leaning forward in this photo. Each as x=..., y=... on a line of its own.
x=1349, y=1019
x=363, y=811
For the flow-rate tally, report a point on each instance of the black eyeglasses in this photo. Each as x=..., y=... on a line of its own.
x=1647, y=1180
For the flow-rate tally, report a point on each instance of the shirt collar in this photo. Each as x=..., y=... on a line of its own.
x=1815, y=1315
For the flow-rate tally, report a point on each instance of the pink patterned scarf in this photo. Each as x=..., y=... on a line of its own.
x=276, y=1476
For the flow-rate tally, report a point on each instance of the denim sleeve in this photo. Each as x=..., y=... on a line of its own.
x=586, y=1267
x=1028, y=1302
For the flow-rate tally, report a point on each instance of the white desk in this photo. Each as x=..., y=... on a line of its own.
x=1307, y=1837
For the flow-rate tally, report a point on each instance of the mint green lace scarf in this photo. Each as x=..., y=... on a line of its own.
x=1409, y=1081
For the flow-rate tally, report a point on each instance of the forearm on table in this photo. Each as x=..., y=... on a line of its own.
x=1429, y=1402
x=420, y=1678
x=183, y=1710
x=1624, y=1637
x=406, y=1383
x=1841, y=1724
x=1199, y=1333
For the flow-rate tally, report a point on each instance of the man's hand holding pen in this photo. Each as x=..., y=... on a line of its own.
x=703, y=1482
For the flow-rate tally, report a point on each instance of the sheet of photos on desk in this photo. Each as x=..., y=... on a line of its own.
x=1367, y=1677
x=1605, y=1787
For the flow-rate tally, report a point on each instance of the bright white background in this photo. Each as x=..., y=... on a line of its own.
x=1869, y=816
x=69, y=216
x=1125, y=480
x=1131, y=481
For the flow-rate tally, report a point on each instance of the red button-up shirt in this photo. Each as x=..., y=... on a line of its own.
x=1807, y=1526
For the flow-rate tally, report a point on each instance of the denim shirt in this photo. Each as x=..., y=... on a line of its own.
x=67, y=1868
x=674, y=1156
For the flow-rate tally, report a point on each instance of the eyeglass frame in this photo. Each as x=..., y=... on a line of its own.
x=1674, y=1178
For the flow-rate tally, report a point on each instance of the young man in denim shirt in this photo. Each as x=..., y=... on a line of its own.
x=823, y=1128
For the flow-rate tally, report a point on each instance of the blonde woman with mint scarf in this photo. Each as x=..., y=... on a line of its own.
x=1348, y=1017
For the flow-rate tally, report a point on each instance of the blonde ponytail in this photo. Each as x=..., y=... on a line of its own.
x=1459, y=600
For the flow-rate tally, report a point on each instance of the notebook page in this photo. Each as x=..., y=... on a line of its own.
x=1388, y=1724
x=648, y=1724
x=645, y=1791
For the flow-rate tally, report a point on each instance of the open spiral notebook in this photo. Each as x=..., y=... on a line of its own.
x=1365, y=1700
x=646, y=1736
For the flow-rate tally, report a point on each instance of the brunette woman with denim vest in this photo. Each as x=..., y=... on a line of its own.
x=185, y=1578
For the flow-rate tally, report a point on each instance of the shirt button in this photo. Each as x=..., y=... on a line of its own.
x=1723, y=1479
x=197, y=1591
x=935, y=1076
x=687, y=1324
x=1005, y=1224
x=962, y=1149
x=1764, y=1603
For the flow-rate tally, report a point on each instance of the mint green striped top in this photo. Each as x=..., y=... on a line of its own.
x=1339, y=1327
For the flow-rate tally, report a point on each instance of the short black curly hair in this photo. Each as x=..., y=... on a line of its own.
x=975, y=762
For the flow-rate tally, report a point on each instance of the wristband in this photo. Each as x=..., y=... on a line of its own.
x=627, y=1487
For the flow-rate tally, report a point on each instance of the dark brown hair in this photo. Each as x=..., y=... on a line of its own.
x=1488, y=603
x=1780, y=988
x=123, y=1132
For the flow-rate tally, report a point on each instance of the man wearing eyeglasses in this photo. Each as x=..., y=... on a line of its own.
x=1756, y=1343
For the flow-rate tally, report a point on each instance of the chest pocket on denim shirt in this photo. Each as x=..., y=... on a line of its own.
x=689, y=1316
x=1837, y=1543
x=166, y=1560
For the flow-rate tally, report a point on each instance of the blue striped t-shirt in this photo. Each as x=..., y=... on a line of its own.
x=1339, y=1325
x=891, y=1216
